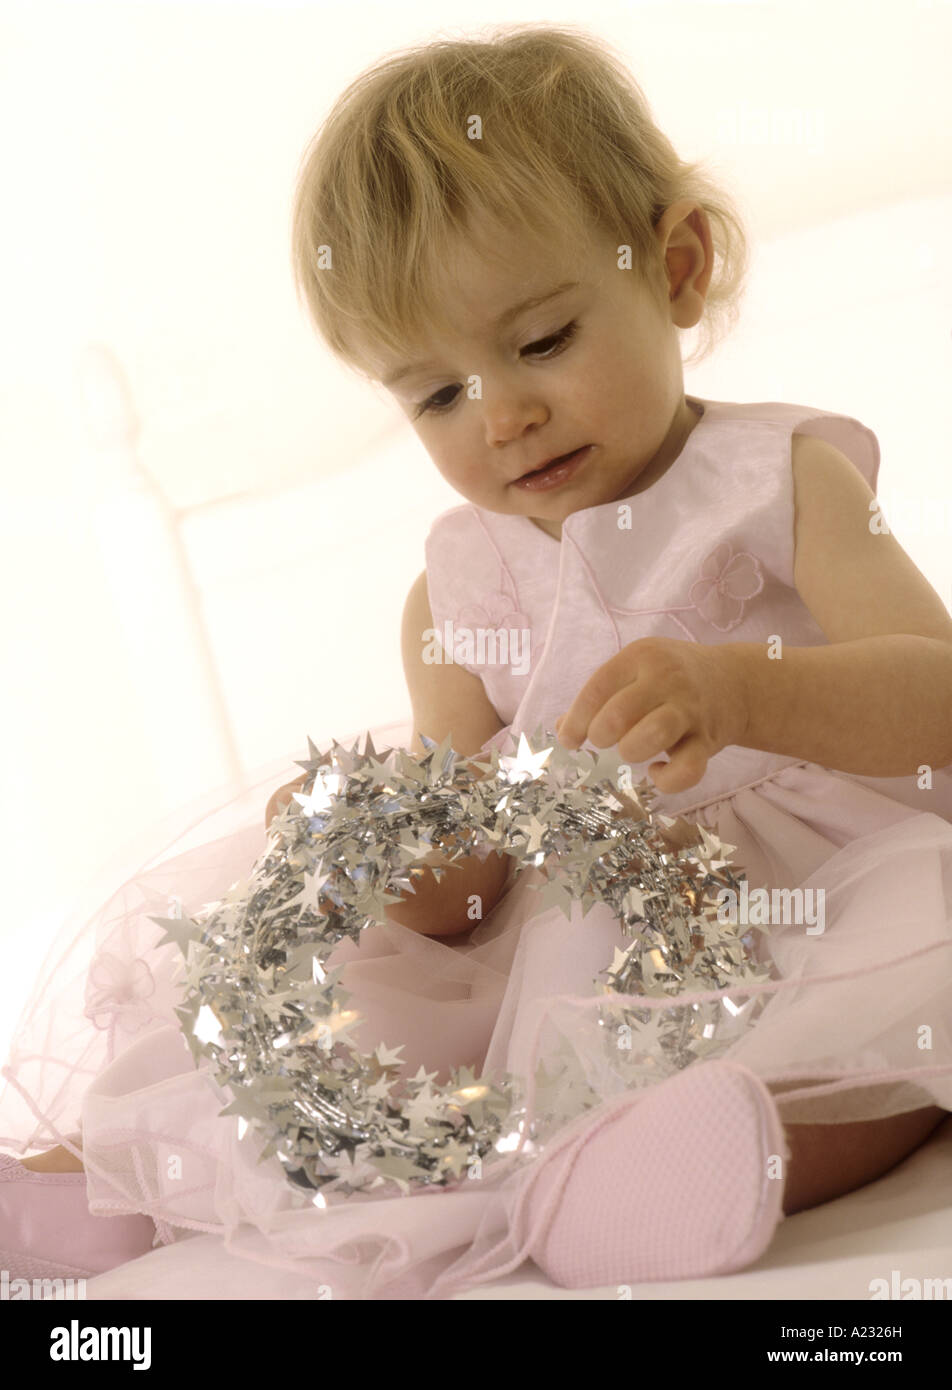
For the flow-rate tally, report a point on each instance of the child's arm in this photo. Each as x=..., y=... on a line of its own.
x=447, y=700
x=876, y=701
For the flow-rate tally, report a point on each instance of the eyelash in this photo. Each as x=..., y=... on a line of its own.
x=560, y=339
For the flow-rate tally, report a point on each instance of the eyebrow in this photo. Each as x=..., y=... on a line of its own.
x=502, y=321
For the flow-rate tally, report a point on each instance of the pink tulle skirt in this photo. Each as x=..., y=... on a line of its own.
x=856, y=1024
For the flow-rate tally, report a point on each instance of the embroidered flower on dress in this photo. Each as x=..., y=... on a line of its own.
x=116, y=991
x=727, y=581
x=496, y=610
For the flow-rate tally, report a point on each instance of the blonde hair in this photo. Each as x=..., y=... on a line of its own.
x=567, y=140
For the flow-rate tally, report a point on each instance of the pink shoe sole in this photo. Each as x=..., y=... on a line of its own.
x=675, y=1181
x=47, y=1230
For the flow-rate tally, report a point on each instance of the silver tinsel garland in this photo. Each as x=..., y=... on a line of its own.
x=260, y=1005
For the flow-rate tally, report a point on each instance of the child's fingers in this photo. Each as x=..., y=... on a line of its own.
x=686, y=765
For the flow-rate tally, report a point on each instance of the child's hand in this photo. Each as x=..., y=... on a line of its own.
x=281, y=798
x=661, y=694
x=283, y=795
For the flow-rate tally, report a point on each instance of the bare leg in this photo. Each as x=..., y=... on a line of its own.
x=56, y=1160
x=827, y=1161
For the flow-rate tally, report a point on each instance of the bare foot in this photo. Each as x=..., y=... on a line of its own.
x=56, y=1160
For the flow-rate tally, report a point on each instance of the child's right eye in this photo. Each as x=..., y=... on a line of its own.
x=428, y=405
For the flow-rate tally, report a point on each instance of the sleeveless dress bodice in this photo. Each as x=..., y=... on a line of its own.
x=705, y=554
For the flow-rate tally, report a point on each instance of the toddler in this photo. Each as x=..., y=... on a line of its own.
x=498, y=233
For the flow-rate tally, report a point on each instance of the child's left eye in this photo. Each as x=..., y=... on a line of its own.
x=556, y=340
x=559, y=339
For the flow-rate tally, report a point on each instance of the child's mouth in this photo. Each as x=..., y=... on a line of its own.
x=555, y=473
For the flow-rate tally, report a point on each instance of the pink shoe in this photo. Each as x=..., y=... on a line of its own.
x=666, y=1182
x=47, y=1230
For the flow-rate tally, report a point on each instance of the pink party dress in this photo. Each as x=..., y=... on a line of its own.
x=858, y=1019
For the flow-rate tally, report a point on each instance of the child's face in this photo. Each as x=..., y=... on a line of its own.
x=615, y=383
